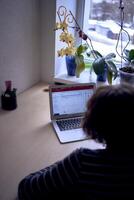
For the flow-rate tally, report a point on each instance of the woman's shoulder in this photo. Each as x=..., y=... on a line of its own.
x=104, y=156
x=86, y=152
x=90, y=151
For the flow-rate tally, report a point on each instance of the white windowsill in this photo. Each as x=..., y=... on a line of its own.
x=85, y=77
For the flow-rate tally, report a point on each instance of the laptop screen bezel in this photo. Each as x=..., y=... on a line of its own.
x=51, y=87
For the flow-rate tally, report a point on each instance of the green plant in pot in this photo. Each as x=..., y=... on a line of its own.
x=127, y=70
x=103, y=66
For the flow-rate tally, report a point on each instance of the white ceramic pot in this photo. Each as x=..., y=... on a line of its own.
x=126, y=77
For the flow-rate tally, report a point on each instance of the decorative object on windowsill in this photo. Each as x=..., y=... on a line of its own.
x=126, y=71
x=103, y=66
x=66, y=21
x=71, y=65
x=8, y=98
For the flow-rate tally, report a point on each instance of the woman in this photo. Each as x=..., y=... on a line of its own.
x=94, y=174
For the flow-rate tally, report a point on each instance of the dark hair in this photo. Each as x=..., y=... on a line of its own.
x=110, y=114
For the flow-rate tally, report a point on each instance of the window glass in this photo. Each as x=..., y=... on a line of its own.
x=102, y=24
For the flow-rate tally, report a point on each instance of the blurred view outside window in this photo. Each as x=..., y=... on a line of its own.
x=102, y=24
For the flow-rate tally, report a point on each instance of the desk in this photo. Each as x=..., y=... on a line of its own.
x=28, y=141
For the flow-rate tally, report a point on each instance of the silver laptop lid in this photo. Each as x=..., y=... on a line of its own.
x=69, y=100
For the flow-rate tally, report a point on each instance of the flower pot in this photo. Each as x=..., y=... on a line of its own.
x=71, y=65
x=126, y=77
x=102, y=77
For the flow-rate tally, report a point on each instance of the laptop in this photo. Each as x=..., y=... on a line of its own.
x=67, y=109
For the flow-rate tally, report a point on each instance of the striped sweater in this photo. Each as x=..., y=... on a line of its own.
x=84, y=174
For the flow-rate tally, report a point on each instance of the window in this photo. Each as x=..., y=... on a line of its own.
x=101, y=21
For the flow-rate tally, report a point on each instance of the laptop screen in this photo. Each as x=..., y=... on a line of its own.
x=70, y=100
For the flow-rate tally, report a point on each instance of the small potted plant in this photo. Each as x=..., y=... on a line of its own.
x=127, y=70
x=103, y=66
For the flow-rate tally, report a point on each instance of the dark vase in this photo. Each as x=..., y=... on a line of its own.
x=102, y=77
x=71, y=65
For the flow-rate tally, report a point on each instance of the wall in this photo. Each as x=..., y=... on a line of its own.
x=48, y=13
x=27, y=41
x=19, y=43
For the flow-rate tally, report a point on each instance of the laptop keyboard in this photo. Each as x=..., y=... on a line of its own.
x=68, y=124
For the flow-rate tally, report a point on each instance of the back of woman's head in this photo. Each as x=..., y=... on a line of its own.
x=110, y=113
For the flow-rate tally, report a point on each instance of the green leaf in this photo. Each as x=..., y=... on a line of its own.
x=81, y=49
x=85, y=47
x=80, y=65
x=99, y=65
x=109, y=77
x=112, y=68
x=94, y=53
x=132, y=61
x=110, y=56
x=131, y=54
x=126, y=52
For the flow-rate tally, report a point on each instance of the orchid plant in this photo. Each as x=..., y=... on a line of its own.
x=65, y=19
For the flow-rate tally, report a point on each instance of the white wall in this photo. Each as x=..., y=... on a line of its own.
x=19, y=43
x=48, y=13
x=27, y=41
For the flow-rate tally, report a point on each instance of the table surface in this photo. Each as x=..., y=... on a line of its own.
x=27, y=140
